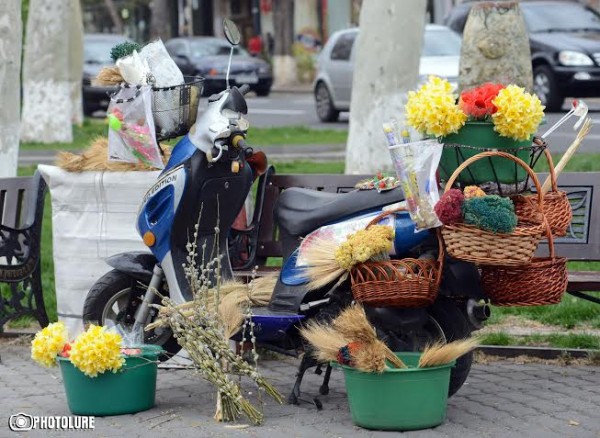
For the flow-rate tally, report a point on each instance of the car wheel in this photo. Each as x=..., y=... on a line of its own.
x=325, y=109
x=544, y=85
x=262, y=91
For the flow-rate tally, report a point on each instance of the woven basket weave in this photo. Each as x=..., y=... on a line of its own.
x=557, y=207
x=541, y=282
x=405, y=283
x=472, y=244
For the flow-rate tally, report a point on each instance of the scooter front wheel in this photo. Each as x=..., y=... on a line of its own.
x=112, y=301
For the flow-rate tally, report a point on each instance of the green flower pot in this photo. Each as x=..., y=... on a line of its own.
x=131, y=389
x=481, y=135
x=399, y=399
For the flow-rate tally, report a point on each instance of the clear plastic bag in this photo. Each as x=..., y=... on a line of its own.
x=416, y=164
x=131, y=132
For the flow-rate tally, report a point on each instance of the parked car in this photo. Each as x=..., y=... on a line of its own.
x=565, y=48
x=333, y=83
x=208, y=57
x=96, y=54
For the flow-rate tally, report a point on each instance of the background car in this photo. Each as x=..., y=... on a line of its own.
x=565, y=48
x=208, y=57
x=333, y=83
x=96, y=54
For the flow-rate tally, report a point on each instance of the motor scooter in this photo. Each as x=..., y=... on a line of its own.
x=201, y=191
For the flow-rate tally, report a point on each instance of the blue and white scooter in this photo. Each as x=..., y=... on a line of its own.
x=210, y=170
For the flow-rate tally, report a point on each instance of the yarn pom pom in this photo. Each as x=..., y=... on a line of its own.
x=449, y=207
x=473, y=192
x=491, y=213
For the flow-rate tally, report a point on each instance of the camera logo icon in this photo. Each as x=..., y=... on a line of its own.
x=19, y=422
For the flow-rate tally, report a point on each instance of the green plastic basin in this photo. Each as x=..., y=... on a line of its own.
x=398, y=399
x=131, y=389
x=482, y=135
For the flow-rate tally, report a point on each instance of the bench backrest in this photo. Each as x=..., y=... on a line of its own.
x=581, y=243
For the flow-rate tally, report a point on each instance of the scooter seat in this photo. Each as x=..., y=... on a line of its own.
x=300, y=211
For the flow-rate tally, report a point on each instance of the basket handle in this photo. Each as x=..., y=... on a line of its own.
x=551, y=171
x=383, y=214
x=517, y=160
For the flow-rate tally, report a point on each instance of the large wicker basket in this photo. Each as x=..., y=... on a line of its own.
x=557, y=207
x=472, y=244
x=407, y=282
x=541, y=282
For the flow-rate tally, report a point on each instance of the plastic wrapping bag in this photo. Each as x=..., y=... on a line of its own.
x=131, y=134
x=416, y=164
x=163, y=68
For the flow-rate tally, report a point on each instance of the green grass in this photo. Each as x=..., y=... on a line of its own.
x=258, y=137
x=571, y=341
x=583, y=162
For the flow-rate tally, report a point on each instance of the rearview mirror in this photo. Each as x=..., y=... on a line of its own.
x=232, y=33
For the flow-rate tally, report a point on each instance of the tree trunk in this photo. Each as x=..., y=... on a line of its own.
x=284, y=64
x=47, y=108
x=76, y=61
x=114, y=16
x=11, y=33
x=386, y=67
x=495, y=47
x=160, y=20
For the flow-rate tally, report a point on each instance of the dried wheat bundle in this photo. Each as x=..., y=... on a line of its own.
x=107, y=77
x=326, y=340
x=322, y=266
x=371, y=357
x=95, y=158
x=353, y=324
x=440, y=354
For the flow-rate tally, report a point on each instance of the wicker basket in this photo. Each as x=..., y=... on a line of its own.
x=557, y=208
x=539, y=283
x=407, y=283
x=472, y=244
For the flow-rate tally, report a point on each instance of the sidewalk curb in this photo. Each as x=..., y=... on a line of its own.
x=540, y=352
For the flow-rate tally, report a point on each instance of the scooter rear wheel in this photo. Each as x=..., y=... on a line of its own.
x=444, y=321
x=107, y=303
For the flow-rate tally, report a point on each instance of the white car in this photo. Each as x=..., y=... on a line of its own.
x=333, y=84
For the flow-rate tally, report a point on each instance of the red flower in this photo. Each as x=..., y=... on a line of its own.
x=477, y=102
x=65, y=351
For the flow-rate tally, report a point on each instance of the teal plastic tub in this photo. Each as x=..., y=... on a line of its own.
x=131, y=389
x=399, y=399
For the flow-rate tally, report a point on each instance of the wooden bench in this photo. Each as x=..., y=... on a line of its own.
x=581, y=244
x=21, y=213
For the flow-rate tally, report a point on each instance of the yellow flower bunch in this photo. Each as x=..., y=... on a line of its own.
x=48, y=342
x=96, y=351
x=363, y=245
x=519, y=113
x=432, y=110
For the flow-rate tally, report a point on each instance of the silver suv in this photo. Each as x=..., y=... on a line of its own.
x=333, y=84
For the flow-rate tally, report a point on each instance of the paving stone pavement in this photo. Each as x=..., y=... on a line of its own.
x=500, y=399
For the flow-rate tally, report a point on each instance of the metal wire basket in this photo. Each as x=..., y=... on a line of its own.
x=175, y=108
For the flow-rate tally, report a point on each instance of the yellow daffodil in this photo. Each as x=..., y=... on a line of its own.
x=96, y=351
x=432, y=110
x=48, y=342
x=519, y=113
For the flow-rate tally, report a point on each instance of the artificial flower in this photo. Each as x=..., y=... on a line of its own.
x=449, y=208
x=519, y=113
x=490, y=213
x=363, y=245
x=473, y=192
x=48, y=343
x=478, y=102
x=96, y=351
x=432, y=110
